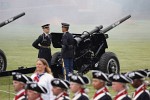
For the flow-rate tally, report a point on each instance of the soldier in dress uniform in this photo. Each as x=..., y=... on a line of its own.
x=99, y=83
x=77, y=83
x=19, y=82
x=119, y=85
x=43, y=43
x=67, y=49
x=138, y=77
x=34, y=91
x=60, y=88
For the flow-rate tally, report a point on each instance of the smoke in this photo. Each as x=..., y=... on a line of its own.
x=74, y=11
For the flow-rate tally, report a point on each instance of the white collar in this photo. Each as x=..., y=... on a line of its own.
x=139, y=87
x=77, y=93
x=38, y=98
x=46, y=34
x=59, y=95
x=20, y=91
x=100, y=89
x=121, y=91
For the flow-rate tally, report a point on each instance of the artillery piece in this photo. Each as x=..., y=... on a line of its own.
x=3, y=60
x=90, y=51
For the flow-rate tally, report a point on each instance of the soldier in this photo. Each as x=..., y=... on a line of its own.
x=43, y=43
x=19, y=82
x=99, y=83
x=60, y=89
x=34, y=91
x=67, y=49
x=119, y=85
x=76, y=86
x=141, y=93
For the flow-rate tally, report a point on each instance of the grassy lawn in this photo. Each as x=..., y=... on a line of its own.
x=130, y=41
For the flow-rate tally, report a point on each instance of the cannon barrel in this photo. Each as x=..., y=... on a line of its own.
x=11, y=19
x=99, y=29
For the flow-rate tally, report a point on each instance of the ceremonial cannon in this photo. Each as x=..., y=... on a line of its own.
x=3, y=60
x=90, y=51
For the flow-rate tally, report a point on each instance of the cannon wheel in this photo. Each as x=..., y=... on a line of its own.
x=109, y=63
x=3, y=61
x=56, y=65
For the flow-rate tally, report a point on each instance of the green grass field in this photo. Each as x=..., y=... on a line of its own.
x=130, y=41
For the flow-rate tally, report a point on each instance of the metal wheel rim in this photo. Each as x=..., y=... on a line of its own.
x=112, y=66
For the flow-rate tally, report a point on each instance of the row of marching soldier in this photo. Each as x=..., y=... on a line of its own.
x=42, y=86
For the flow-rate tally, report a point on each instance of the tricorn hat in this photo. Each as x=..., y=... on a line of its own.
x=21, y=77
x=36, y=87
x=100, y=75
x=119, y=78
x=148, y=73
x=79, y=79
x=137, y=74
x=60, y=83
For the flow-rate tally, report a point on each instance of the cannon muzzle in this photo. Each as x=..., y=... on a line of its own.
x=115, y=24
x=11, y=19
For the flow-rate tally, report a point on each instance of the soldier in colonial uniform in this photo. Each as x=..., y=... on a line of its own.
x=99, y=83
x=34, y=91
x=119, y=85
x=138, y=77
x=19, y=82
x=43, y=43
x=67, y=49
x=60, y=88
x=77, y=83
